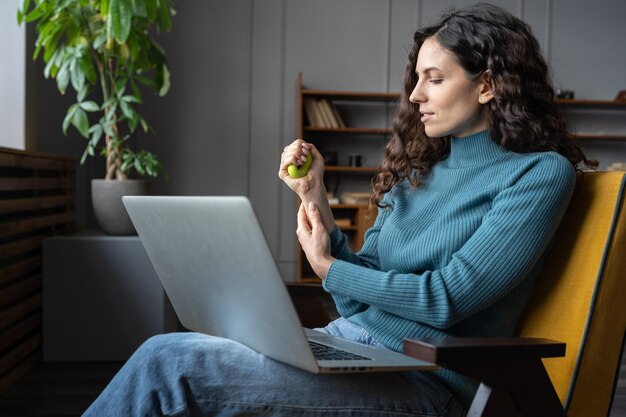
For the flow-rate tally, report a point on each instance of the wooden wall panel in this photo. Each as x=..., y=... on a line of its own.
x=37, y=199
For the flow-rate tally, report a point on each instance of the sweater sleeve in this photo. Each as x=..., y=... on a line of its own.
x=367, y=258
x=500, y=254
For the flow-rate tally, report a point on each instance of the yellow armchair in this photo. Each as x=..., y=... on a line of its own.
x=579, y=301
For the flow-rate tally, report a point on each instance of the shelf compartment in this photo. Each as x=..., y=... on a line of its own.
x=337, y=168
x=591, y=103
x=357, y=130
x=351, y=96
x=599, y=137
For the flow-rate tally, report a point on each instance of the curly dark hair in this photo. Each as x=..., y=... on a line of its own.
x=523, y=116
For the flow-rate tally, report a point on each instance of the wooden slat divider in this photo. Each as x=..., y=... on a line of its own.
x=35, y=224
x=29, y=325
x=37, y=199
x=20, y=352
x=21, y=246
x=19, y=290
x=20, y=371
x=14, y=270
x=12, y=158
x=43, y=183
x=15, y=313
x=37, y=203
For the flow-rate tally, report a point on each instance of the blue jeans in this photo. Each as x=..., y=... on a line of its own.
x=192, y=374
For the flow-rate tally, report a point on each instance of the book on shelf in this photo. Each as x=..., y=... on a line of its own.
x=350, y=197
x=338, y=117
x=322, y=113
x=312, y=113
x=327, y=114
x=347, y=222
x=332, y=199
x=617, y=166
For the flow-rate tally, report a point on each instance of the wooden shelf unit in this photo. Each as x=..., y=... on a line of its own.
x=355, y=219
x=595, y=106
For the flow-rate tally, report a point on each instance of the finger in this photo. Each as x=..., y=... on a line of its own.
x=303, y=219
x=295, y=153
x=314, y=218
x=318, y=158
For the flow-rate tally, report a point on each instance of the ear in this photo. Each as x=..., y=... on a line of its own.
x=485, y=87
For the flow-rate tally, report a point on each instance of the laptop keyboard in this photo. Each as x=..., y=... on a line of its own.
x=323, y=352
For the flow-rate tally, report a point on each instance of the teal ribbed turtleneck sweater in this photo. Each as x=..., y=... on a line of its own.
x=458, y=256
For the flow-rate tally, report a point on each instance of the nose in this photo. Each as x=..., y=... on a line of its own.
x=417, y=95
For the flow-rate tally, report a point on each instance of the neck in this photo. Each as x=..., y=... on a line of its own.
x=472, y=149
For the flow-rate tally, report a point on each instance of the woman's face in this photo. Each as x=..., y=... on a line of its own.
x=449, y=102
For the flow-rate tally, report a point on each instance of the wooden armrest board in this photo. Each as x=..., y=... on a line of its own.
x=443, y=351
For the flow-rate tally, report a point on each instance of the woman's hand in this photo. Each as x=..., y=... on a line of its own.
x=295, y=154
x=314, y=240
x=310, y=188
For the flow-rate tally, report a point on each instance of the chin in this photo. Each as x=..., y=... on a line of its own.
x=435, y=133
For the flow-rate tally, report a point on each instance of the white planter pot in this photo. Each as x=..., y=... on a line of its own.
x=106, y=197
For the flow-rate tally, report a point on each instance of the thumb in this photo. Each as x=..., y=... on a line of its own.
x=314, y=215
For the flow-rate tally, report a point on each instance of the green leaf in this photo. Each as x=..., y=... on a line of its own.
x=51, y=43
x=139, y=8
x=86, y=66
x=135, y=89
x=104, y=8
x=165, y=21
x=139, y=167
x=119, y=19
x=81, y=122
x=20, y=16
x=120, y=86
x=76, y=75
x=131, y=99
x=63, y=78
x=35, y=14
x=145, y=125
x=89, y=106
x=96, y=134
x=145, y=81
x=111, y=112
x=151, y=9
x=56, y=61
x=82, y=93
x=100, y=40
x=69, y=117
x=127, y=110
x=107, y=126
x=165, y=86
x=48, y=69
x=88, y=151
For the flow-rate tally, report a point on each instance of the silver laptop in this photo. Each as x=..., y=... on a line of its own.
x=217, y=269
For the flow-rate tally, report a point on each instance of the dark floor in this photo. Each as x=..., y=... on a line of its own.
x=57, y=389
x=67, y=389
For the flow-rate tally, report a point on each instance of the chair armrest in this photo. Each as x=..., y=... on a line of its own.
x=443, y=351
x=513, y=379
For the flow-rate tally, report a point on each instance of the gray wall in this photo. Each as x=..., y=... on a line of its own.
x=234, y=65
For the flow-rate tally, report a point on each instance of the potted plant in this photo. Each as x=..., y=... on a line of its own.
x=105, y=50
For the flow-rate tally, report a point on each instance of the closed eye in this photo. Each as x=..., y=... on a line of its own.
x=436, y=81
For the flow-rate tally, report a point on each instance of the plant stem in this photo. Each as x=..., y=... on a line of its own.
x=113, y=155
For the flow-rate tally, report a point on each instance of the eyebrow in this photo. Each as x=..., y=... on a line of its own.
x=430, y=69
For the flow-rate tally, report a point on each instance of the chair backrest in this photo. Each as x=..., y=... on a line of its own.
x=580, y=296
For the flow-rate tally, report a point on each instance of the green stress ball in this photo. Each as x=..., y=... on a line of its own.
x=300, y=171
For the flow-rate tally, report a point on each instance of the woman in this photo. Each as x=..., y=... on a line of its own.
x=474, y=182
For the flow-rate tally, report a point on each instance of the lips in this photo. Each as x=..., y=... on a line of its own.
x=426, y=116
